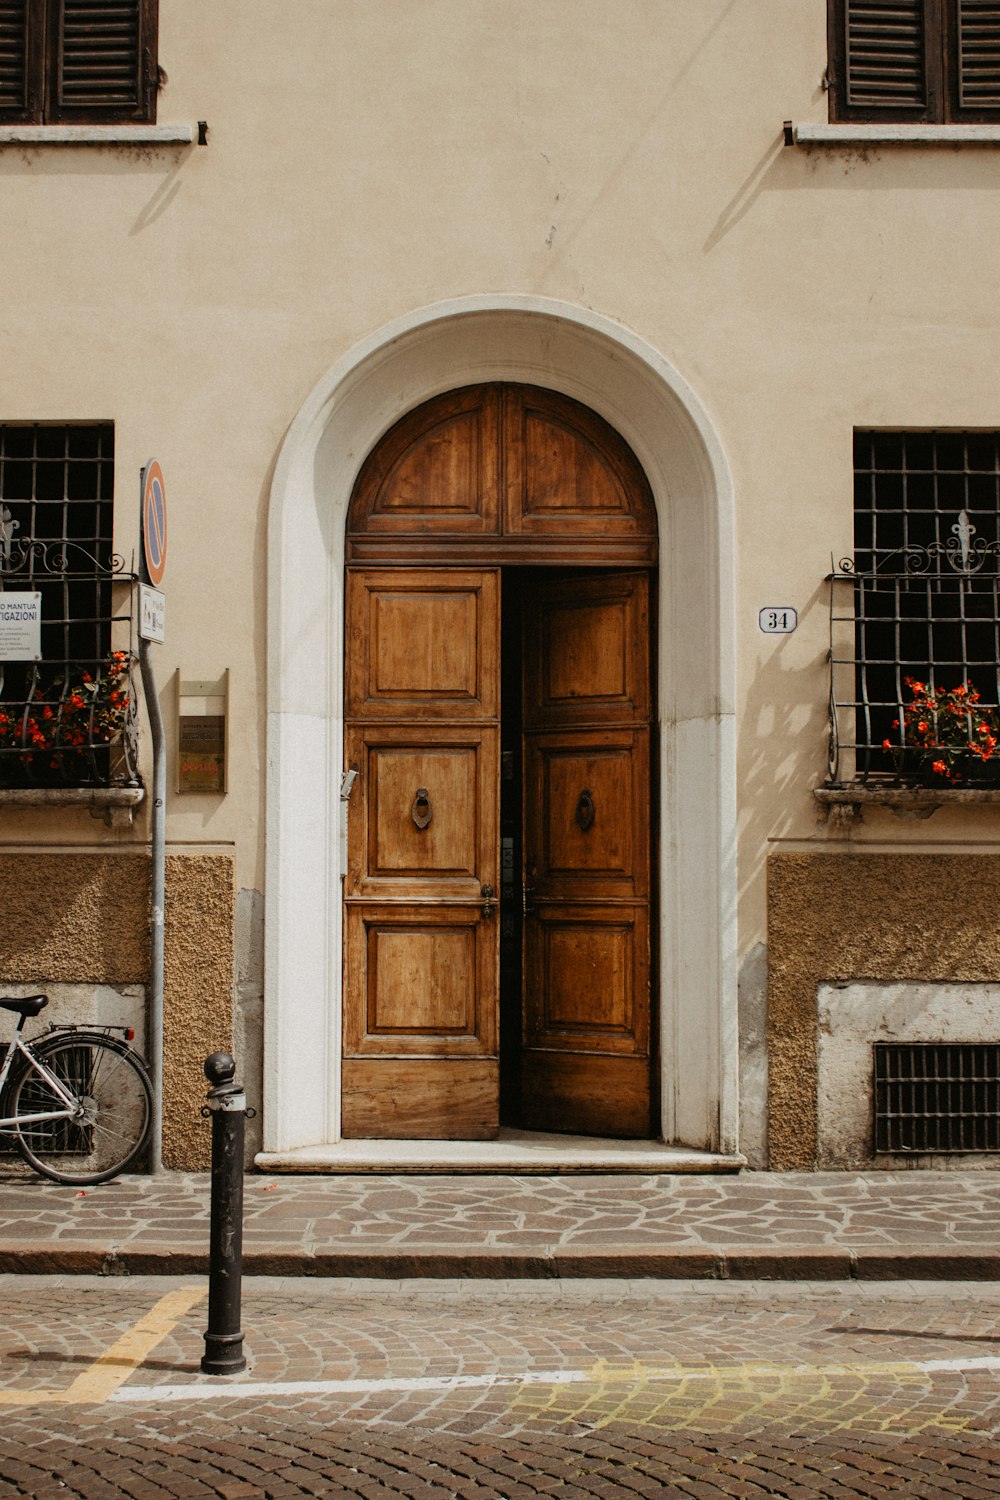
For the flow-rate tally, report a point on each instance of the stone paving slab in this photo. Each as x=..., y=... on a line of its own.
x=818, y=1226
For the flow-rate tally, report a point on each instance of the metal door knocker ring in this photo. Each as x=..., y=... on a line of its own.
x=585, y=810
x=422, y=811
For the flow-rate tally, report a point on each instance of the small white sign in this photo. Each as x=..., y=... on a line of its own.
x=21, y=627
x=152, y=614
x=778, y=619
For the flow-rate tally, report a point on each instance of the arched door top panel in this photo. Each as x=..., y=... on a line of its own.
x=505, y=473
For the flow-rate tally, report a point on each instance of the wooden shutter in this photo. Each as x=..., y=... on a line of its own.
x=14, y=102
x=884, y=64
x=914, y=60
x=975, y=58
x=102, y=59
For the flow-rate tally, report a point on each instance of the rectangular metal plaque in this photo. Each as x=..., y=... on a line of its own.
x=201, y=753
x=21, y=627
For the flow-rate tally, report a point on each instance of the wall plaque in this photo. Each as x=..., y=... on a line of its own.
x=202, y=715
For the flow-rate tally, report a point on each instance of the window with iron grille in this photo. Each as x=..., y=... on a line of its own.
x=78, y=61
x=915, y=613
x=68, y=719
x=914, y=60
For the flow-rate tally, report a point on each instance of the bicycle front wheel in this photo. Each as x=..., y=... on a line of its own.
x=114, y=1105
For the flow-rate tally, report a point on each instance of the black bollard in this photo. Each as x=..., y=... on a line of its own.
x=227, y=1106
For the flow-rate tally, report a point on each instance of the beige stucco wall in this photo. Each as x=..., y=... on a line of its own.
x=870, y=916
x=83, y=918
x=370, y=157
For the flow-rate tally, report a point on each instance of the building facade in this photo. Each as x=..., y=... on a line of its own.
x=581, y=443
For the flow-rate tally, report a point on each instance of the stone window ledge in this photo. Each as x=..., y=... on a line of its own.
x=846, y=804
x=116, y=804
x=809, y=134
x=104, y=135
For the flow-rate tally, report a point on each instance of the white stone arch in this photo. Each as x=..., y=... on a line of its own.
x=537, y=341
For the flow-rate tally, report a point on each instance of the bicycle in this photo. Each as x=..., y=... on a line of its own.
x=77, y=1100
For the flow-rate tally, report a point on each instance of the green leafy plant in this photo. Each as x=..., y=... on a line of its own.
x=946, y=730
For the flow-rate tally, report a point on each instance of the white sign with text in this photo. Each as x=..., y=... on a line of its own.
x=21, y=627
x=152, y=614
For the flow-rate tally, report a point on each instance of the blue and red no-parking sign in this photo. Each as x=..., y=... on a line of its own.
x=154, y=521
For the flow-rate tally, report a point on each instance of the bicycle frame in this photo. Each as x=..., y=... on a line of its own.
x=9, y=1122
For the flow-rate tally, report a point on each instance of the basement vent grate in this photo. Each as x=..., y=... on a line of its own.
x=937, y=1096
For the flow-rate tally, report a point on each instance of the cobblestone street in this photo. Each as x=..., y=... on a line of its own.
x=485, y=1388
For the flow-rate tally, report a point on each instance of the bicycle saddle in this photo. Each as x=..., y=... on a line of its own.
x=29, y=1006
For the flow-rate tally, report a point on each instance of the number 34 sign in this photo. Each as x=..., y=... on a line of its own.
x=778, y=619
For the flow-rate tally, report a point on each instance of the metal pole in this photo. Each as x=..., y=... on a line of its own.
x=158, y=888
x=227, y=1105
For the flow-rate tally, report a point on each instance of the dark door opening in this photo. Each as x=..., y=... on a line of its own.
x=575, y=858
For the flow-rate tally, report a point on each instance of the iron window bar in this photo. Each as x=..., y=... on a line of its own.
x=69, y=719
x=919, y=602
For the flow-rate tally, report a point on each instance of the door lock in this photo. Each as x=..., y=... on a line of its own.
x=489, y=900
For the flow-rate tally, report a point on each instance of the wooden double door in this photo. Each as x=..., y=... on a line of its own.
x=497, y=895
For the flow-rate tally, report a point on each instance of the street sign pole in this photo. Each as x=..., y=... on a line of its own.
x=153, y=525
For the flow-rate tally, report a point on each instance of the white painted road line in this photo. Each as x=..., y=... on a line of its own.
x=247, y=1390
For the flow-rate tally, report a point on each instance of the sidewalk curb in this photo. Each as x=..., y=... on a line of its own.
x=737, y=1263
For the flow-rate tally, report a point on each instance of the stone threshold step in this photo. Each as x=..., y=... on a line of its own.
x=521, y=1152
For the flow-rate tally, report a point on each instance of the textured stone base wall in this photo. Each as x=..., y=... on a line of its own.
x=84, y=919
x=882, y=917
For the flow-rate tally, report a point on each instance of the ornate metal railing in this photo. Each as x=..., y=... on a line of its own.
x=67, y=718
x=923, y=617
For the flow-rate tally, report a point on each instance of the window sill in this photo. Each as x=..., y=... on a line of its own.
x=891, y=135
x=104, y=135
x=846, y=804
x=116, y=804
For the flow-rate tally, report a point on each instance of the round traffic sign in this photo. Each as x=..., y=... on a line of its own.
x=154, y=521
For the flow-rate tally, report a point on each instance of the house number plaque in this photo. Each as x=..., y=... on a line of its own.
x=778, y=619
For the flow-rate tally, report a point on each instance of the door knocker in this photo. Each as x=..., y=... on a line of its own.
x=585, y=810
x=422, y=811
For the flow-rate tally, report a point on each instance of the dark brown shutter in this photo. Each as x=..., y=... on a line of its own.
x=978, y=57
x=103, y=60
x=885, y=59
x=14, y=60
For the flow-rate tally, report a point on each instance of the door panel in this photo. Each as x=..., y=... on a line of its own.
x=587, y=652
x=420, y=823
x=422, y=644
x=585, y=974
x=573, y=1095
x=427, y=975
x=586, y=934
x=394, y=1100
x=587, y=799
x=421, y=981
x=566, y=470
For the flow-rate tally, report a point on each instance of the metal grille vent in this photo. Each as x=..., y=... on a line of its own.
x=979, y=53
x=937, y=1096
x=885, y=53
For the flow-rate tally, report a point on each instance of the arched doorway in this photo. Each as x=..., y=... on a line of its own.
x=500, y=550
x=640, y=392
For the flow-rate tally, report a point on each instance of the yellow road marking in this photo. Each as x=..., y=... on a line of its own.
x=834, y=1395
x=111, y=1369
